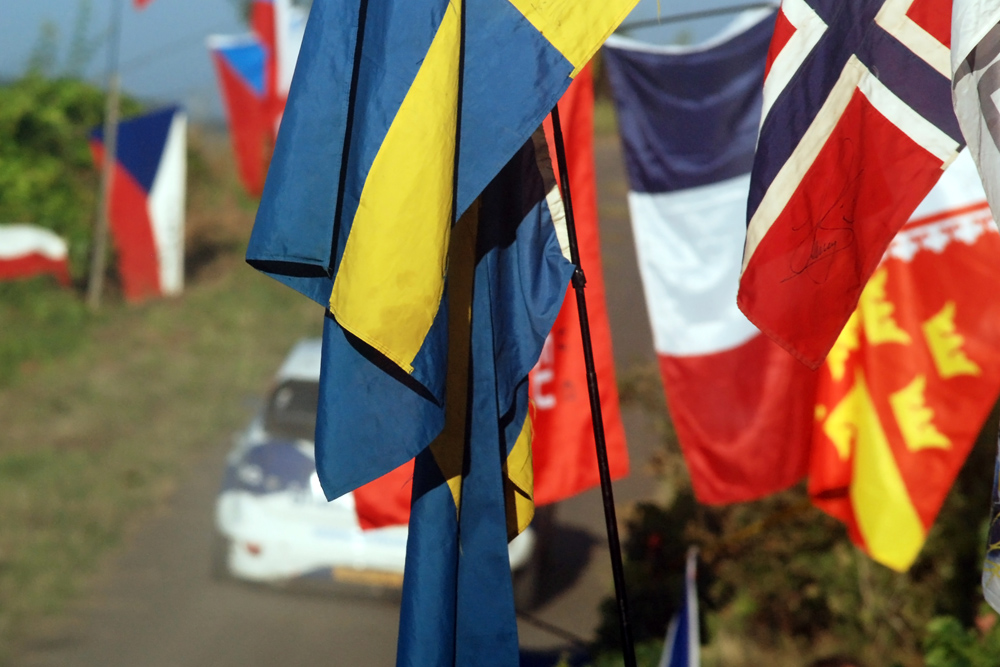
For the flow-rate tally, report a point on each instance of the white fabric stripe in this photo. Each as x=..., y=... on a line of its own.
x=809, y=27
x=893, y=19
x=970, y=21
x=558, y=213
x=915, y=126
x=743, y=22
x=786, y=181
x=20, y=239
x=688, y=245
x=166, y=206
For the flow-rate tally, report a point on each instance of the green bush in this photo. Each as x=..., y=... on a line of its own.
x=47, y=175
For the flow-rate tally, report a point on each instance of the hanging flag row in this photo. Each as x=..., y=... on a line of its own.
x=884, y=425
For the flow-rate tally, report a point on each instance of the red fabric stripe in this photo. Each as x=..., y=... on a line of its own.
x=804, y=279
x=563, y=452
x=783, y=31
x=248, y=127
x=743, y=417
x=386, y=500
x=35, y=264
x=132, y=231
x=934, y=16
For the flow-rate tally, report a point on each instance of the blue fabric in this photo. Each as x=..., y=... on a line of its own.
x=458, y=606
x=140, y=144
x=248, y=61
x=689, y=119
x=513, y=78
x=851, y=31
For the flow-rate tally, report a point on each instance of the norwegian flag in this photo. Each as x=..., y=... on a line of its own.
x=857, y=127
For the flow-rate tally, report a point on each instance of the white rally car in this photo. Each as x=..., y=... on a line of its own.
x=274, y=525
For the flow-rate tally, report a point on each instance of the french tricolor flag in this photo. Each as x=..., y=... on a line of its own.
x=147, y=201
x=29, y=250
x=688, y=117
x=241, y=63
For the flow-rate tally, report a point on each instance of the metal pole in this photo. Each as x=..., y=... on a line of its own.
x=100, y=248
x=579, y=282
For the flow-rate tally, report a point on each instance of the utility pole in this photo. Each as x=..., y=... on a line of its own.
x=95, y=286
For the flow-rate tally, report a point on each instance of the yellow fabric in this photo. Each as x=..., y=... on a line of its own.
x=519, y=480
x=877, y=313
x=449, y=447
x=576, y=29
x=391, y=277
x=915, y=419
x=885, y=515
x=946, y=343
x=848, y=341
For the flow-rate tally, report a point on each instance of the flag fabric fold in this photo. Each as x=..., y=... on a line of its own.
x=856, y=128
x=741, y=405
x=914, y=374
x=975, y=66
x=147, y=201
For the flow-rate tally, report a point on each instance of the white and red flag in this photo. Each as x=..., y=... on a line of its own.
x=30, y=250
x=857, y=126
x=147, y=201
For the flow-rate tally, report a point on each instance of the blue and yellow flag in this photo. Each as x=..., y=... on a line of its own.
x=362, y=192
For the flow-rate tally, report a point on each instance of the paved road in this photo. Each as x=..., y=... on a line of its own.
x=155, y=605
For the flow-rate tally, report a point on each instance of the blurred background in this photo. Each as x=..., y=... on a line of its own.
x=117, y=422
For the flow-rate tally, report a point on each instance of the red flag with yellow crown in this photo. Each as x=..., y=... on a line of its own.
x=914, y=374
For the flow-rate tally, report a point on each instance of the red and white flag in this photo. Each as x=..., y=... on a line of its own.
x=30, y=250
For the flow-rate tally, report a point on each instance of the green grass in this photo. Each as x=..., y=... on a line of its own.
x=102, y=412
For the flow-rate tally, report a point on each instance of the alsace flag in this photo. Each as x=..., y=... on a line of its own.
x=741, y=405
x=913, y=376
x=857, y=127
x=30, y=250
x=147, y=201
x=240, y=64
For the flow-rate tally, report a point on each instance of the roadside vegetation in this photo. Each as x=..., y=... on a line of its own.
x=102, y=412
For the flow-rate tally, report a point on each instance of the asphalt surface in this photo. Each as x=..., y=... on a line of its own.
x=156, y=606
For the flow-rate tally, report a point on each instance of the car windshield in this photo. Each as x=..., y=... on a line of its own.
x=291, y=410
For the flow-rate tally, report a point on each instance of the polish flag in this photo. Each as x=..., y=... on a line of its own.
x=30, y=250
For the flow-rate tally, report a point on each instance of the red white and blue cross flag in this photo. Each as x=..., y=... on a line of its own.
x=857, y=126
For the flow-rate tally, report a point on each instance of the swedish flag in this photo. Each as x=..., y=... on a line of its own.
x=364, y=182
x=403, y=197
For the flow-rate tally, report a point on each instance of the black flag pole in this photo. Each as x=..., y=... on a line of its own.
x=611, y=521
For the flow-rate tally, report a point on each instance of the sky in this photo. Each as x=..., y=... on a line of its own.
x=163, y=53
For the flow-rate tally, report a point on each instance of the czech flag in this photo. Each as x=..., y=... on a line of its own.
x=147, y=201
x=241, y=63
